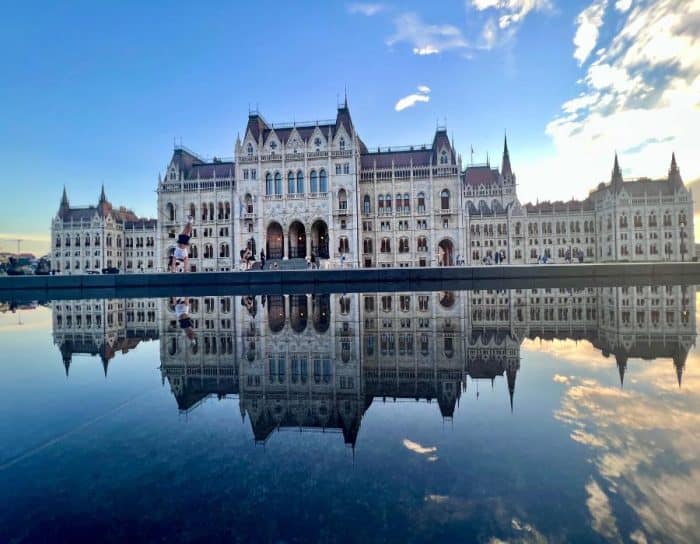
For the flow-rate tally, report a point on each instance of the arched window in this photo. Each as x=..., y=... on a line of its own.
x=367, y=245
x=250, y=150
x=211, y=211
x=403, y=244
x=224, y=250
x=445, y=199
x=341, y=144
x=342, y=200
x=406, y=203
x=300, y=182
x=290, y=182
x=387, y=203
x=323, y=181
x=170, y=211
x=251, y=245
x=443, y=157
x=343, y=245
x=220, y=208
x=313, y=182
x=227, y=210
x=366, y=205
x=399, y=209
x=194, y=253
x=421, y=203
x=193, y=210
x=380, y=204
x=248, y=203
x=278, y=184
x=77, y=240
x=268, y=184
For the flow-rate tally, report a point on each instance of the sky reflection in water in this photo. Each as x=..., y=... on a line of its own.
x=554, y=415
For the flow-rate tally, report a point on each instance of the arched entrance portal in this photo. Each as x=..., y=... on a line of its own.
x=297, y=240
x=319, y=239
x=445, y=253
x=275, y=241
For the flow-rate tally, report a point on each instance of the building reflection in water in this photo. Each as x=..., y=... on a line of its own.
x=103, y=327
x=317, y=362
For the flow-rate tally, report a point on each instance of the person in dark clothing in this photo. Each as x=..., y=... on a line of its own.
x=262, y=259
x=313, y=260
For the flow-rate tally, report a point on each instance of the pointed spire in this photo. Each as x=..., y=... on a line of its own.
x=64, y=199
x=505, y=166
x=679, y=363
x=511, y=373
x=103, y=196
x=616, y=178
x=621, y=367
x=674, y=174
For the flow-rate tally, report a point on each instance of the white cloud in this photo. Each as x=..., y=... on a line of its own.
x=623, y=5
x=423, y=95
x=415, y=447
x=426, y=39
x=510, y=14
x=589, y=22
x=639, y=95
x=365, y=9
x=604, y=522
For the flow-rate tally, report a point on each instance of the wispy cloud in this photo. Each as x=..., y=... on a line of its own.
x=511, y=12
x=589, y=22
x=505, y=17
x=426, y=39
x=365, y=9
x=423, y=95
x=428, y=451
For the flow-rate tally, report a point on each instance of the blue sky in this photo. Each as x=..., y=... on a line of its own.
x=96, y=92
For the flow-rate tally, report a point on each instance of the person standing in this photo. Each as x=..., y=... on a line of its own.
x=262, y=259
x=313, y=260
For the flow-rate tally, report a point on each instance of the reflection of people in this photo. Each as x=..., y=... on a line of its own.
x=182, y=314
x=180, y=260
x=250, y=305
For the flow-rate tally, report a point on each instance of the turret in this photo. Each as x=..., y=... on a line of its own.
x=104, y=206
x=65, y=205
x=511, y=373
x=506, y=170
x=674, y=174
x=621, y=361
x=616, y=178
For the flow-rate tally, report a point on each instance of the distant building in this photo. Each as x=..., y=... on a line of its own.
x=93, y=238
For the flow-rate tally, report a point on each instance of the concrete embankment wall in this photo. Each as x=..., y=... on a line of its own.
x=347, y=280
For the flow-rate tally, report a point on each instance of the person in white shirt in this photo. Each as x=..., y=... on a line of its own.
x=182, y=314
x=180, y=260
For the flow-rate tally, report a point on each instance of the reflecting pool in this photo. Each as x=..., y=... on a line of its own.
x=523, y=416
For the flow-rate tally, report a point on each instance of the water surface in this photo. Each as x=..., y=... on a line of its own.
x=549, y=415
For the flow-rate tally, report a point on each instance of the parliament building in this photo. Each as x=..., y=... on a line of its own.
x=302, y=189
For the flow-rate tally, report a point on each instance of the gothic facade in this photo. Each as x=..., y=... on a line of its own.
x=302, y=189
x=91, y=239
